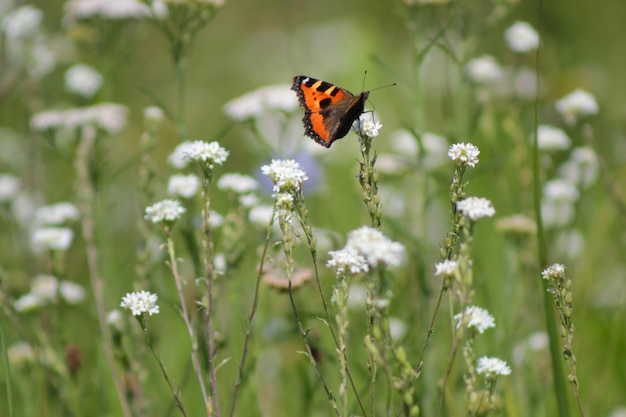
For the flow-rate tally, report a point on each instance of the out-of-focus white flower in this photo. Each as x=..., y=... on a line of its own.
x=21, y=23
x=261, y=215
x=397, y=328
x=83, y=80
x=115, y=320
x=475, y=208
x=518, y=223
x=153, y=115
x=107, y=9
x=21, y=353
x=560, y=190
x=522, y=37
x=446, y=268
x=581, y=168
x=185, y=186
x=483, y=70
x=375, y=247
x=71, y=292
x=164, y=211
x=576, y=105
x=552, y=138
x=9, y=187
x=404, y=143
x=28, y=302
x=492, y=367
x=52, y=238
x=237, y=183
x=255, y=103
x=56, y=214
x=109, y=117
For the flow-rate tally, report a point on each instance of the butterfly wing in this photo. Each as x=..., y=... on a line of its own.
x=329, y=110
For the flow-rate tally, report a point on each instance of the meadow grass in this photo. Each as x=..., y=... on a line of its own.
x=172, y=247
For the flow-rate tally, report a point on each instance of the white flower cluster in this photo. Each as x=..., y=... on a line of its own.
x=164, y=211
x=367, y=126
x=375, y=247
x=286, y=175
x=52, y=238
x=185, y=186
x=552, y=138
x=522, y=37
x=464, y=154
x=492, y=367
x=140, y=302
x=346, y=261
x=557, y=205
x=45, y=289
x=555, y=271
x=484, y=70
x=446, y=268
x=209, y=153
x=577, y=105
x=56, y=214
x=475, y=208
x=255, y=103
x=83, y=80
x=477, y=318
x=112, y=9
x=237, y=183
x=109, y=117
x=9, y=187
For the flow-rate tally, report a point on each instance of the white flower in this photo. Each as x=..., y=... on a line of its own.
x=285, y=173
x=253, y=104
x=475, y=208
x=404, y=143
x=215, y=219
x=53, y=238
x=248, y=200
x=82, y=80
x=346, y=261
x=517, y=223
x=375, y=247
x=483, y=70
x=397, y=328
x=476, y=317
x=164, y=211
x=552, y=138
x=446, y=268
x=71, y=292
x=366, y=125
x=114, y=319
x=560, y=190
x=581, y=168
x=21, y=353
x=284, y=201
x=23, y=22
x=56, y=214
x=219, y=263
x=492, y=367
x=45, y=287
x=575, y=105
x=107, y=9
x=153, y=115
x=261, y=215
x=557, y=213
x=185, y=186
x=554, y=271
x=109, y=117
x=237, y=183
x=9, y=187
x=434, y=149
x=140, y=302
x=464, y=154
x=40, y=61
x=178, y=158
x=209, y=153
x=522, y=37
x=28, y=302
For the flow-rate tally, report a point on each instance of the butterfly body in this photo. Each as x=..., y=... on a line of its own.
x=329, y=110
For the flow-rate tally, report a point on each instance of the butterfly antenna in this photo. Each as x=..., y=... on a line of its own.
x=364, y=75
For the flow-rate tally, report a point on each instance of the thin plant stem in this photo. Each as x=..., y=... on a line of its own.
x=7, y=370
x=557, y=370
x=255, y=303
x=85, y=204
x=194, y=342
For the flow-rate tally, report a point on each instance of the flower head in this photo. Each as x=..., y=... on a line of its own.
x=206, y=153
x=53, y=238
x=581, y=168
x=492, y=367
x=261, y=215
x=56, y=214
x=237, y=183
x=575, y=105
x=477, y=318
x=346, y=261
x=446, y=268
x=517, y=223
x=82, y=80
x=522, y=37
x=484, y=70
x=164, y=211
x=140, y=302
x=475, y=208
x=552, y=138
x=255, y=103
x=560, y=190
x=366, y=125
x=23, y=22
x=109, y=117
x=185, y=186
x=9, y=186
x=286, y=174
x=375, y=247
x=464, y=154
x=106, y=9
x=555, y=271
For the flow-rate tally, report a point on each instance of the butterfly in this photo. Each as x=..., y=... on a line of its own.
x=329, y=110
